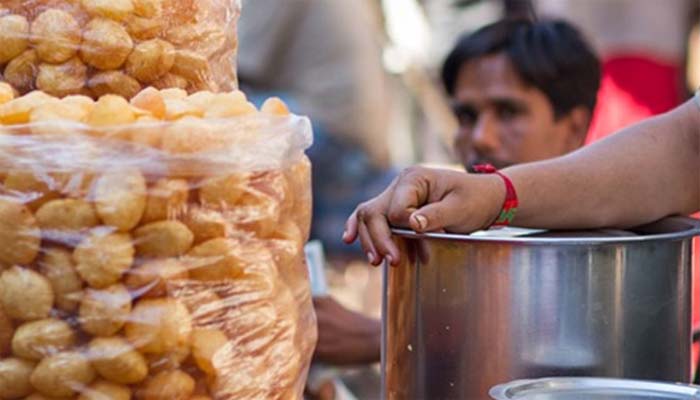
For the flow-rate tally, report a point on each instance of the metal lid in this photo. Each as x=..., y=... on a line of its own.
x=592, y=389
x=668, y=229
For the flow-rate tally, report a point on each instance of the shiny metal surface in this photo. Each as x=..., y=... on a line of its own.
x=463, y=314
x=593, y=389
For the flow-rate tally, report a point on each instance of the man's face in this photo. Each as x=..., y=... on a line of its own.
x=504, y=121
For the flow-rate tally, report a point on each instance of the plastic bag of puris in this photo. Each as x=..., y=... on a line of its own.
x=153, y=249
x=97, y=47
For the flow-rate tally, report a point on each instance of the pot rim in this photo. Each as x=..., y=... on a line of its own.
x=520, y=389
x=676, y=228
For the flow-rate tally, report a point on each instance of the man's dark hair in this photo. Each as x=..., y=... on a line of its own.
x=549, y=55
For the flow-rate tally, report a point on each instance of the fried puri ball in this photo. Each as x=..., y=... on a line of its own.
x=223, y=192
x=148, y=8
x=207, y=346
x=192, y=66
x=102, y=259
x=104, y=390
x=19, y=234
x=57, y=265
x=142, y=28
x=275, y=106
x=22, y=70
x=167, y=385
x=38, y=339
x=62, y=374
x=120, y=196
x=167, y=199
x=158, y=326
x=163, y=239
x=7, y=92
x=206, y=224
x=106, y=44
x=113, y=82
x=168, y=361
x=104, y=312
x=18, y=110
x=53, y=111
x=215, y=260
x=7, y=331
x=112, y=9
x=14, y=378
x=170, y=80
x=25, y=294
x=151, y=100
x=116, y=360
x=67, y=214
x=111, y=110
x=226, y=105
x=151, y=279
x=62, y=79
x=14, y=36
x=55, y=35
x=34, y=188
x=151, y=60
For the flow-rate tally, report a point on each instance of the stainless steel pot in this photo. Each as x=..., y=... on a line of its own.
x=465, y=313
x=593, y=389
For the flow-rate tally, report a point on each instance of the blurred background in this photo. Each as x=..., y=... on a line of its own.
x=367, y=72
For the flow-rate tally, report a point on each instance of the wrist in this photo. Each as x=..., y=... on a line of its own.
x=502, y=198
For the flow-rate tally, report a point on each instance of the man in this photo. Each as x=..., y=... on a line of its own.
x=522, y=91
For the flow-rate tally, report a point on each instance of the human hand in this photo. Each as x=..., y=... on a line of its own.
x=425, y=200
x=345, y=337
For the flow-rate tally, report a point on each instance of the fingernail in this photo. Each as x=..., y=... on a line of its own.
x=421, y=220
x=370, y=257
x=345, y=235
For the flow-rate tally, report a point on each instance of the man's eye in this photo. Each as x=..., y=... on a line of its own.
x=506, y=113
x=465, y=116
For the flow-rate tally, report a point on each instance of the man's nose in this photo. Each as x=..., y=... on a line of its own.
x=485, y=136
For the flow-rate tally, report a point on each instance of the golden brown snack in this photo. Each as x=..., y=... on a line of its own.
x=111, y=110
x=209, y=350
x=106, y=44
x=54, y=111
x=152, y=278
x=159, y=326
x=22, y=70
x=148, y=8
x=223, y=192
x=163, y=239
x=167, y=199
x=120, y=196
x=67, y=214
x=141, y=28
x=170, y=81
x=25, y=295
x=58, y=267
x=167, y=361
x=151, y=100
x=62, y=373
x=104, y=312
x=103, y=390
x=206, y=224
x=226, y=105
x=215, y=260
x=151, y=60
x=7, y=331
x=275, y=106
x=113, y=82
x=33, y=188
x=14, y=36
x=7, y=92
x=55, y=35
x=62, y=79
x=179, y=108
x=102, y=259
x=192, y=66
x=113, y=9
x=18, y=110
x=14, y=378
x=38, y=339
x=116, y=360
x=39, y=396
x=167, y=385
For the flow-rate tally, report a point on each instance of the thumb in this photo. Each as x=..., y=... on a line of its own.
x=436, y=216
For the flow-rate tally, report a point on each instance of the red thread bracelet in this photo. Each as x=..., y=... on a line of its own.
x=510, y=204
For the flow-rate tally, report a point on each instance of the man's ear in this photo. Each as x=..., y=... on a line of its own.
x=576, y=124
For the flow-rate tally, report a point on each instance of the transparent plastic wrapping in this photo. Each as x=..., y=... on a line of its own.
x=157, y=259
x=96, y=47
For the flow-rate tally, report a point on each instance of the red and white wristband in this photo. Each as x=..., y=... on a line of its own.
x=510, y=204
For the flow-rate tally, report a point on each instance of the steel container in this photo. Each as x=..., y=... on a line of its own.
x=465, y=313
